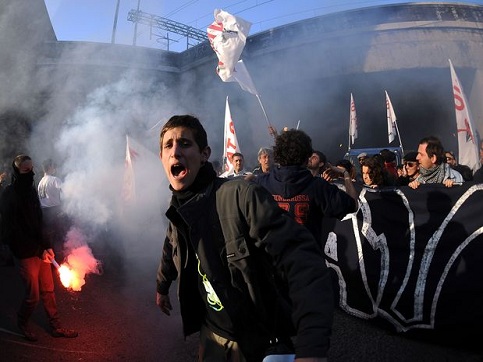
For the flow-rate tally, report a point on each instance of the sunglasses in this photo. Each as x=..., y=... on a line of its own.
x=410, y=163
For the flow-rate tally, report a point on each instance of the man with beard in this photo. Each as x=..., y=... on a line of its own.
x=317, y=163
x=432, y=168
x=21, y=217
x=241, y=262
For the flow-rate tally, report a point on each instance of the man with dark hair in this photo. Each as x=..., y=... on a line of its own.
x=21, y=217
x=464, y=170
x=432, y=168
x=317, y=163
x=306, y=198
x=241, y=262
x=238, y=162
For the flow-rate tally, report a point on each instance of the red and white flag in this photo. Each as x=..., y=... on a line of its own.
x=352, y=121
x=468, y=153
x=230, y=141
x=391, y=119
x=129, y=184
x=227, y=36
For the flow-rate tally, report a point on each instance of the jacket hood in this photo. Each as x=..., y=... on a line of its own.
x=289, y=181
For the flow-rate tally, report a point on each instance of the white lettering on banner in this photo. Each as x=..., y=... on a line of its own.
x=406, y=286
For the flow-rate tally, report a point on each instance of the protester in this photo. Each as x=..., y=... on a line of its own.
x=50, y=190
x=21, y=217
x=373, y=173
x=478, y=176
x=464, y=170
x=264, y=161
x=432, y=168
x=411, y=169
x=242, y=263
x=238, y=162
x=389, y=162
x=306, y=198
x=317, y=163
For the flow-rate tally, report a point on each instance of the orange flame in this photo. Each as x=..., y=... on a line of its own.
x=70, y=278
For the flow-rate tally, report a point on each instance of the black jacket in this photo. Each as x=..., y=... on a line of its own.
x=21, y=222
x=266, y=269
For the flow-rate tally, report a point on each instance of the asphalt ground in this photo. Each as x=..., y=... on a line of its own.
x=117, y=320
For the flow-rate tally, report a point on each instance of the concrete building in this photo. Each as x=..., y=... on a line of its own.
x=304, y=71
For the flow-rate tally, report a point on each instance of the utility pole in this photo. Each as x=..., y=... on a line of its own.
x=136, y=28
x=114, y=27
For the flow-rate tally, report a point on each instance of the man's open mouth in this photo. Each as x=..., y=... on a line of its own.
x=178, y=170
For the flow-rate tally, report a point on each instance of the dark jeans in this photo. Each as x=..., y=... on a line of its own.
x=39, y=284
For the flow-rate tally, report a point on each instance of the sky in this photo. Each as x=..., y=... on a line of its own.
x=93, y=20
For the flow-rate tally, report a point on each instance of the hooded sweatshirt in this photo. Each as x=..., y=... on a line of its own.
x=21, y=217
x=305, y=197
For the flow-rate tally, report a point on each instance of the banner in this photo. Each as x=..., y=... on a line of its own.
x=230, y=141
x=468, y=153
x=391, y=120
x=411, y=257
x=227, y=36
x=352, y=122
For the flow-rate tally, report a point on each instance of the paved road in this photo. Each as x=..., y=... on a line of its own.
x=118, y=321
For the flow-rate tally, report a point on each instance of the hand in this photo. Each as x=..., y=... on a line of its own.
x=414, y=184
x=164, y=303
x=448, y=183
x=48, y=255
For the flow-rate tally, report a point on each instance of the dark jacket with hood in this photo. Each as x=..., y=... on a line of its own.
x=306, y=198
x=266, y=270
x=21, y=217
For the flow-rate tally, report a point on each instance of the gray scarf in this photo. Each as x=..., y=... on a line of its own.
x=434, y=175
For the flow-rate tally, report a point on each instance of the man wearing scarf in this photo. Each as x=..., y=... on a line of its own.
x=249, y=277
x=432, y=166
x=22, y=231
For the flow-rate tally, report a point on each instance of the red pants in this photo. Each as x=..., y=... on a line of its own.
x=39, y=284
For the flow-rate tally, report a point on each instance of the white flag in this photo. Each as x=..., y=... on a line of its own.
x=227, y=35
x=230, y=141
x=129, y=184
x=467, y=142
x=352, y=121
x=243, y=78
x=391, y=119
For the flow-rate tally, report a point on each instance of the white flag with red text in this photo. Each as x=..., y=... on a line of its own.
x=140, y=165
x=352, y=121
x=129, y=184
x=391, y=119
x=468, y=153
x=227, y=36
x=230, y=141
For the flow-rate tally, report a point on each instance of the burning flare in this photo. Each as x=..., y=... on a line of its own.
x=79, y=262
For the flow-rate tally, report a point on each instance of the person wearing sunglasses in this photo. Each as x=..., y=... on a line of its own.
x=411, y=169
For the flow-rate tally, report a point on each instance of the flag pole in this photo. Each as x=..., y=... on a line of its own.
x=399, y=136
x=263, y=109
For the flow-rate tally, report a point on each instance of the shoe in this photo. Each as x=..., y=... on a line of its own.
x=66, y=333
x=27, y=333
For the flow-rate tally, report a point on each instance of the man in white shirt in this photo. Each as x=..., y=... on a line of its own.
x=50, y=190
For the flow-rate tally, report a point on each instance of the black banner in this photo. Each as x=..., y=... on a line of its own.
x=411, y=257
